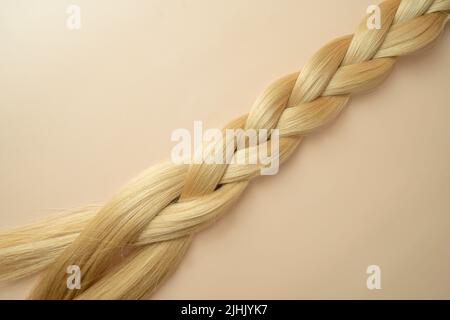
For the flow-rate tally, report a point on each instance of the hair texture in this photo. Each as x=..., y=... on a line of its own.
x=126, y=247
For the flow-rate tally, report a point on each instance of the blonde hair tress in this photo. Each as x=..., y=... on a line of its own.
x=128, y=246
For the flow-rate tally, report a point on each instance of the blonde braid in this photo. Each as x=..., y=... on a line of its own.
x=159, y=211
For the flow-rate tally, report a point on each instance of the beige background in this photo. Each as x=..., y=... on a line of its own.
x=83, y=111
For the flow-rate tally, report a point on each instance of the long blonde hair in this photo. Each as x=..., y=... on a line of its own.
x=126, y=247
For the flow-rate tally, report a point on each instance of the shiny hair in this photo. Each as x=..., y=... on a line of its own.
x=126, y=247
